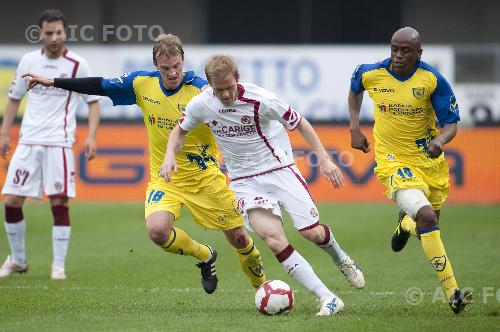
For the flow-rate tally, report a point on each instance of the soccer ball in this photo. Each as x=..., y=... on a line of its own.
x=274, y=297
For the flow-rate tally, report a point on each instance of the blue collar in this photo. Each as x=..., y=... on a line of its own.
x=188, y=78
x=387, y=65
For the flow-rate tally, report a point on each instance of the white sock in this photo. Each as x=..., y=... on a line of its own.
x=333, y=249
x=15, y=234
x=300, y=270
x=60, y=241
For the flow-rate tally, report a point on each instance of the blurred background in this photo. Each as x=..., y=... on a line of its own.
x=304, y=51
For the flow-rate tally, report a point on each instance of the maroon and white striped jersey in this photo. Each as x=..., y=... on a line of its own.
x=251, y=132
x=50, y=115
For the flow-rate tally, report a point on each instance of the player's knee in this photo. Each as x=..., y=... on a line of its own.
x=158, y=233
x=426, y=218
x=411, y=201
x=316, y=234
x=238, y=237
x=12, y=201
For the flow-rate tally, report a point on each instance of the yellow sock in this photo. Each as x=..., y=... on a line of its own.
x=435, y=253
x=408, y=225
x=181, y=244
x=251, y=264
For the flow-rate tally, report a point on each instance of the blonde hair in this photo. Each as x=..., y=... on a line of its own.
x=168, y=45
x=219, y=66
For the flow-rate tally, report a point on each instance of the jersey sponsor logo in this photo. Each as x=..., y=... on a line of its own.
x=314, y=212
x=223, y=130
x=151, y=100
x=439, y=263
x=418, y=92
x=386, y=90
x=49, y=66
x=245, y=119
x=161, y=122
x=400, y=109
x=202, y=159
x=151, y=119
x=227, y=110
x=63, y=75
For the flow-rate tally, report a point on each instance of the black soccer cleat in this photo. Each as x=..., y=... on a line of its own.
x=208, y=275
x=400, y=237
x=459, y=299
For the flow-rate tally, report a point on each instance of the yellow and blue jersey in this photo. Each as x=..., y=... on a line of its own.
x=162, y=109
x=405, y=109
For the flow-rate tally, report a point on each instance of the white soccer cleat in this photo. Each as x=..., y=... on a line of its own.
x=10, y=267
x=57, y=273
x=352, y=272
x=329, y=306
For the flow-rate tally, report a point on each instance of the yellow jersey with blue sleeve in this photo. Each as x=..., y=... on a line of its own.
x=199, y=184
x=405, y=109
x=162, y=109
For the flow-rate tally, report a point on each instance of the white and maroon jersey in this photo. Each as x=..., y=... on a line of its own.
x=50, y=115
x=250, y=132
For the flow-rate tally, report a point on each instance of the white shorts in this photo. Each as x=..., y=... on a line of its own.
x=281, y=188
x=34, y=166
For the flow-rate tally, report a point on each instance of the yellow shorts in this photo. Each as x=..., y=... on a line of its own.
x=211, y=202
x=433, y=181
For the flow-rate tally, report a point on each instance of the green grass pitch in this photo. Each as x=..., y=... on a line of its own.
x=119, y=281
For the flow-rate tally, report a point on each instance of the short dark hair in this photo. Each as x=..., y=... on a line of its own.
x=51, y=15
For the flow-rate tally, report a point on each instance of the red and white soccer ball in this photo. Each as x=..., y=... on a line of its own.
x=274, y=297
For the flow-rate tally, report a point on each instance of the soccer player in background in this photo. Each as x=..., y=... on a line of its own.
x=44, y=154
x=249, y=125
x=408, y=95
x=162, y=96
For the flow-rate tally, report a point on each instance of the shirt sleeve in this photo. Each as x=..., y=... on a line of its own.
x=19, y=85
x=121, y=89
x=277, y=109
x=191, y=117
x=84, y=71
x=357, y=80
x=444, y=102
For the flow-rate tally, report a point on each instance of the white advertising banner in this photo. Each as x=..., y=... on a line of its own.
x=479, y=103
x=314, y=79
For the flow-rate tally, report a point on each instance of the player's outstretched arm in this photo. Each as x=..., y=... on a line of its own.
x=86, y=85
x=326, y=165
x=175, y=143
x=358, y=139
x=448, y=132
x=8, y=118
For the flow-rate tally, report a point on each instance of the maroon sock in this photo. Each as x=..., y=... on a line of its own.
x=13, y=215
x=285, y=253
x=61, y=215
